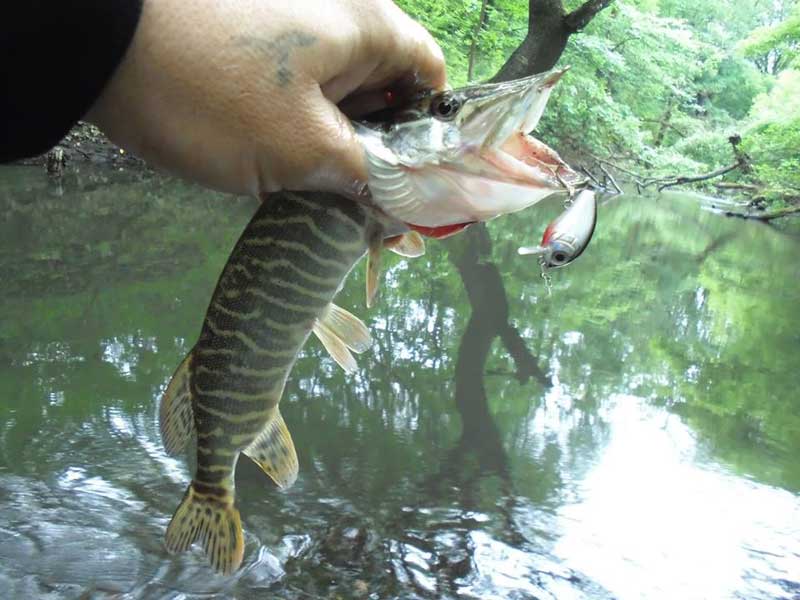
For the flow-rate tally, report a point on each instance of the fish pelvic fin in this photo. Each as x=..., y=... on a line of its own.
x=341, y=331
x=335, y=347
x=213, y=521
x=373, y=271
x=175, y=415
x=273, y=451
x=347, y=327
x=409, y=244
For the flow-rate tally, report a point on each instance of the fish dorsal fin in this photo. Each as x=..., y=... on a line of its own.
x=409, y=244
x=175, y=415
x=373, y=271
x=273, y=451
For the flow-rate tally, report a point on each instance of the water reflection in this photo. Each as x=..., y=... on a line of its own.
x=634, y=435
x=656, y=520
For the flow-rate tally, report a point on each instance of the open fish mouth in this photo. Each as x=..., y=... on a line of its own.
x=466, y=155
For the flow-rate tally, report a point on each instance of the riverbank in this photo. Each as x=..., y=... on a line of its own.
x=85, y=143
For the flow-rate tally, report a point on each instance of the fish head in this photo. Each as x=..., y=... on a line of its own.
x=465, y=155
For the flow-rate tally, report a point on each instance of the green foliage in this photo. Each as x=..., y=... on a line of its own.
x=773, y=137
x=780, y=42
x=455, y=25
x=734, y=86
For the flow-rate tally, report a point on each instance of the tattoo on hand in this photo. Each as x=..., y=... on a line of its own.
x=279, y=50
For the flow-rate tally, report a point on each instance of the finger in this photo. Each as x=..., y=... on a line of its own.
x=429, y=59
x=417, y=52
x=338, y=157
x=349, y=80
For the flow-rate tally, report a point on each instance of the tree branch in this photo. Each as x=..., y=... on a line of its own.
x=526, y=363
x=766, y=216
x=669, y=182
x=580, y=17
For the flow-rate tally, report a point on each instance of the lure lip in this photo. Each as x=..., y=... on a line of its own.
x=480, y=163
x=531, y=250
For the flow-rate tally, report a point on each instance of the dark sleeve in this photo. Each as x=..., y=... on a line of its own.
x=55, y=58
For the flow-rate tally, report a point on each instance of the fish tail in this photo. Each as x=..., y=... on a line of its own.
x=214, y=521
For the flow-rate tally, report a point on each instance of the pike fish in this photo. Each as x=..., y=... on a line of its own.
x=292, y=258
x=276, y=288
x=568, y=235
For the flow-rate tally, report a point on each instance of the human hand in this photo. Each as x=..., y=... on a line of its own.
x=241, y=95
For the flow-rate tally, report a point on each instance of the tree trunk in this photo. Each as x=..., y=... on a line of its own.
x=546, y=39
x=664, y=123
x=549, y=28
x=474, y=46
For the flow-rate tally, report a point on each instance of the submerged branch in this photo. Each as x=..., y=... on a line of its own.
x=742, y=163
x=767, y=215
x=733, y=185
x=669, y=182
x=610, y=177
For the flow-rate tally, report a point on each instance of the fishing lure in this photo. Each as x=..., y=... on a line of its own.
x=569, y=234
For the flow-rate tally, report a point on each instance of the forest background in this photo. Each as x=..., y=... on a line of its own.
x=656, y=87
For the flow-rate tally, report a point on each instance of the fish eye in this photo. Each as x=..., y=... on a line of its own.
x=445, y=106
x=559, y=257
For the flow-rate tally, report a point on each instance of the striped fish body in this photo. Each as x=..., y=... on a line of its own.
x=283, y=273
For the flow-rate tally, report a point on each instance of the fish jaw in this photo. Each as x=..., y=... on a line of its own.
x=478, y=166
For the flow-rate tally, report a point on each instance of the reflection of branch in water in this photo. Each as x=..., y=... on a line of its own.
x=470, y=253
x=489, y=319
x=715, y=245
x=480, y=439
x=479, y=451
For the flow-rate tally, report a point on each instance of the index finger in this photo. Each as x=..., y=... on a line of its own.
x=426, y=58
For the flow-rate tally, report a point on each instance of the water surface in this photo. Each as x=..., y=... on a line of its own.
x=633, y=435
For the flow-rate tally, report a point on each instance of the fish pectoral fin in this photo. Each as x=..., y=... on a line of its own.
x=373, y=271
x=410, y=244
x=175, y=415
x=214, y=522
x=273, y=451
